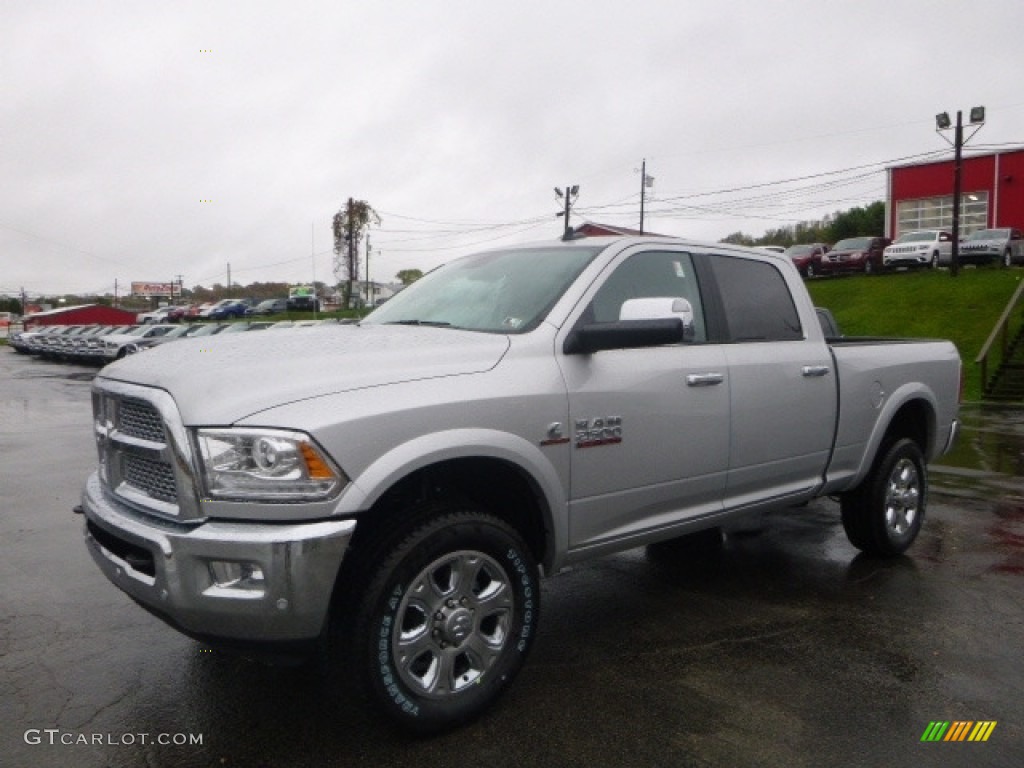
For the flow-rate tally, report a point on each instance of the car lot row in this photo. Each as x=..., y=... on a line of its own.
x=101, y=344
x=225, y=309
x=923, y=248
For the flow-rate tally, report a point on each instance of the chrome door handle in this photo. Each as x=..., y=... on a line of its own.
x=815, y=370
x=704, y=379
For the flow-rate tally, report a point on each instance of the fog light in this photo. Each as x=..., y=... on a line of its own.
x=227, y=574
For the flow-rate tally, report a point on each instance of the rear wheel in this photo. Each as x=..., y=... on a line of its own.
x=883, y=515
x=445, y=617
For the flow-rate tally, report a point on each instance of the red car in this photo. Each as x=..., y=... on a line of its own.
x=855, y=254
x=807, y=257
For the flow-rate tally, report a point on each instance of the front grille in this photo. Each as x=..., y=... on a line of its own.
x=140, y=419
x=153, y=478
x=144, y=451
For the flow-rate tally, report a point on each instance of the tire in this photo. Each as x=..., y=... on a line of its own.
x=934, y=263
x=1007, y=259
x=809, y=271
x=446, y=618
x=883, y=515
x=868, y=267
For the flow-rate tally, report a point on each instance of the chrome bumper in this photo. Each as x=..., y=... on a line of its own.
x=183, y=573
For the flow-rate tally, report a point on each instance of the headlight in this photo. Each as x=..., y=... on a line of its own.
x=265, y=465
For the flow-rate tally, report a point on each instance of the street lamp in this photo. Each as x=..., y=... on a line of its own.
x=942, y=123
x=570, y=195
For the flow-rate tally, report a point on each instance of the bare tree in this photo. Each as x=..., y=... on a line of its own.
x=350, y=224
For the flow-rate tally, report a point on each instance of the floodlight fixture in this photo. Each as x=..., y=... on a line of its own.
x=977, y=115
x=558, y=193
x=575, y=190
x=942, y=121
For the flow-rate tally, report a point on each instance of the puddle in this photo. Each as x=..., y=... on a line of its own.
x=988, y=460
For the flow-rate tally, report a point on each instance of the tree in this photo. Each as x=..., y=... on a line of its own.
x=350, y=223
x=409, y=276
x=737, y=238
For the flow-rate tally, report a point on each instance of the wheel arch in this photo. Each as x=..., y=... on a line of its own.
x=499, y=472
x=913, y=416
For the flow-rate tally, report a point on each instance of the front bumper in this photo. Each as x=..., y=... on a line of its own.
x=169, y=569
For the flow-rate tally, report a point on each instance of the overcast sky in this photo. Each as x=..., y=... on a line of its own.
x=140, y=141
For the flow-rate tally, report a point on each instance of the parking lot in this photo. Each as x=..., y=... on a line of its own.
x=786, y=648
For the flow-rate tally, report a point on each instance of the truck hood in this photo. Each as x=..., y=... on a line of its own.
x=217, y=380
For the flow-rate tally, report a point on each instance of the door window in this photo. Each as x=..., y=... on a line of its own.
x=649, y=275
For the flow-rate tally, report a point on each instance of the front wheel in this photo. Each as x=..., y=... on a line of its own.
x=809, y=271
x=1007, y=258
x=883, y=515
x=934, y=263
x=447, y=618
x=868, y=267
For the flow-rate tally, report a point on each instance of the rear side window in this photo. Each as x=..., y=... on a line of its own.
x=756, y=301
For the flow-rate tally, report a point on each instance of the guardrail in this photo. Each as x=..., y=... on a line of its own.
x=1001, y=330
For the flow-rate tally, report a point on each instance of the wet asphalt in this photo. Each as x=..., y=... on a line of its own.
x=785, y=648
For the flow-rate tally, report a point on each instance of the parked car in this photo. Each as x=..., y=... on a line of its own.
x=116, y=345
x=807, y=257
x=772, y=248
x=1003, y=244
x=270, y=307
x=224, y=309
x=855, y=254
x=156, y=316
x=920, y=248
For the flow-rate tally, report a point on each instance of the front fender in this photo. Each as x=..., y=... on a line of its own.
x=399, y=462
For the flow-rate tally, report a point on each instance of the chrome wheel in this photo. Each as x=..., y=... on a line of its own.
x=902, y=498
x=452, y=623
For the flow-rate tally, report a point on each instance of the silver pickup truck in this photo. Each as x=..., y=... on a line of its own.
x=390, y=492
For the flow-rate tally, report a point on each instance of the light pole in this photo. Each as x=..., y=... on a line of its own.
x=943, y=123
x=571, y=193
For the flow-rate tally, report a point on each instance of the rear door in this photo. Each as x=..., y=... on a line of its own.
x=782, y=382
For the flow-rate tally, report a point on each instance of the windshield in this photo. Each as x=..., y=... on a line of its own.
x=494, y=292
x=988, y=234
x=853, y=244
x=917, y=237
x=799, y=250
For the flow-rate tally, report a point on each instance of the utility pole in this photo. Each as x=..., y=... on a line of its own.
x=115, y=291
x=229, y=278
x=351, y=254
x=181, y=286
x=570, y=195
x=369, y=300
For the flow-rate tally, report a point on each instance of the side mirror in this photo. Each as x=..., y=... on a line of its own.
x=659, y=309
x=642, y=323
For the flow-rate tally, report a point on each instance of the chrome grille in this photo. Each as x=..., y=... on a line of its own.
x=145, y=455
x=153, y=478
x=140, y=419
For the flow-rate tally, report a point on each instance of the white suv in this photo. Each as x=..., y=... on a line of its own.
x=920, y=248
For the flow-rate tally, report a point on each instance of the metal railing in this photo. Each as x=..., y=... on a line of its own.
x=1000, y=331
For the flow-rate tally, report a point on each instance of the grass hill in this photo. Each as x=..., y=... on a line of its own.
x=926, y=304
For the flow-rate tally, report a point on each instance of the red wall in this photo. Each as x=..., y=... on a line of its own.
x=978, y=174
x=90, y=315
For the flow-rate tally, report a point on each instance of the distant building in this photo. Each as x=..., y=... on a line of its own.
x=920, y=195
x=593, y=229
x=82, y=314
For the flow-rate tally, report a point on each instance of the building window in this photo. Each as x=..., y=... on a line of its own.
x=937, y=213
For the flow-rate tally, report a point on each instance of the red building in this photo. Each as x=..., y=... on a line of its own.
x=992, y=194
x=83, y=314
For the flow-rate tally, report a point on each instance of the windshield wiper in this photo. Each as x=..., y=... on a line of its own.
x=431, y=323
